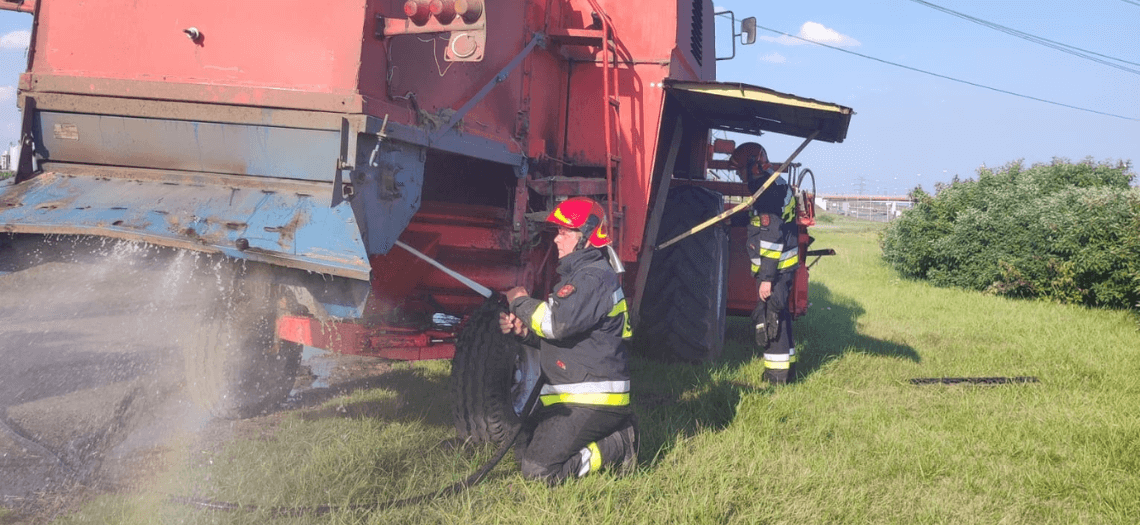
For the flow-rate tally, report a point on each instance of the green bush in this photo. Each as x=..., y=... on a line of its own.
x=1066, y=232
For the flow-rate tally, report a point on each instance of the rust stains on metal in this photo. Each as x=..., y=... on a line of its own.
x=288, y=231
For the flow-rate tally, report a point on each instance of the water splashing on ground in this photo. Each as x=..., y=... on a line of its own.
x=91, y=337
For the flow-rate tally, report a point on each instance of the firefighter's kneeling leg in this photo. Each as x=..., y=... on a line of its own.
x=561, y=433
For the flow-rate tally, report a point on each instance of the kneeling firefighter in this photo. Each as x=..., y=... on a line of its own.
x=585, y=422
x=773, y=246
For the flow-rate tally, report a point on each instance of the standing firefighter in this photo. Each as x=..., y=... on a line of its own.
x=585, y=422
x=774, y=250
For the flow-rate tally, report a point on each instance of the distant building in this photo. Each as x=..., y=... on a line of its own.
x=10, y=158
x=870, y=207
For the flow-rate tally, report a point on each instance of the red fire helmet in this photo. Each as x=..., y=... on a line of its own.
x=585, y=215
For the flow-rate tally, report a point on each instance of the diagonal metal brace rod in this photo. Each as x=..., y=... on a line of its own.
x=499, y=78
x=747, y=202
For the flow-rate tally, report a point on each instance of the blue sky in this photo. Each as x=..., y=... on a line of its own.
x=909, y=128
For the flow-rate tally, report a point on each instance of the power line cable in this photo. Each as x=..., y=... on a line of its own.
x=1064, y=48
x=967, y=82
x=1131, y=2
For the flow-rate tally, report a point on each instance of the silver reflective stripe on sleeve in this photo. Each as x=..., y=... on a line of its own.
x=542, y=321
x=586, y=388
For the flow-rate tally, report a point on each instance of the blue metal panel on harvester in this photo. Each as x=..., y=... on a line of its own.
x=387, y=186
x=289, y=225
x=240, y=149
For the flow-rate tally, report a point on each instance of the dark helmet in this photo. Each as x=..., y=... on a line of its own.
x=751, y=157
x=585, y=215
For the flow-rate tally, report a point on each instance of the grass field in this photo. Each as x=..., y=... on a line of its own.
x=852, y=442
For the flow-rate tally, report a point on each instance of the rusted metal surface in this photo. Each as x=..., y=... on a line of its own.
x=465, y=21
x=387, y=180
x=237, y=149
x=494, y=81
x=188, y=111
x=291, y=226
x=22, y=6
x=568, y=186
x=302, y=140
x=248, y=96
x=743, y=108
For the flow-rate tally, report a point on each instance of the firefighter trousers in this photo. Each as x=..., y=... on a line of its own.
x=552, y=439
x=780, y=349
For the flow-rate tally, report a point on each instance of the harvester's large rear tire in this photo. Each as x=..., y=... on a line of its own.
x=236, y=366
x=683, y=311
x=491, y=377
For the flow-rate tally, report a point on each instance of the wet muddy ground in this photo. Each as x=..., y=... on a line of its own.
x=91, y=386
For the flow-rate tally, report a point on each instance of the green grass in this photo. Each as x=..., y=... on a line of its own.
x=852, y=442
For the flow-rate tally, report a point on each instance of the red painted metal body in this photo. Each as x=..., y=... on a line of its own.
x=510, y=109
x=294, y=56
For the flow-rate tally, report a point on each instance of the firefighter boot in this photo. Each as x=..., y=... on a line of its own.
x=617, y=451
x=780, y=376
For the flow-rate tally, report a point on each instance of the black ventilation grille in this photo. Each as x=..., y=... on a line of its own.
x=698, y=26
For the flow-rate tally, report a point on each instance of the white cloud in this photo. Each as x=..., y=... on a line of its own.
x=7, y=93
x=16, y=40
x=773, y=57
x=815, y=32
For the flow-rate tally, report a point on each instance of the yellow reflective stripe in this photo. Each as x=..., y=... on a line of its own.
x=595, y=457
x=787, y=263
x=771, y=254
x=558, y=215
x=539, y=319
x=615, y=400
x=789, y=214
x=777, y=365
x=756, y=220
x=779, y=361
x=618, y=309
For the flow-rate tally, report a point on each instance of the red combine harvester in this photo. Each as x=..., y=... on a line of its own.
x=300, y=143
